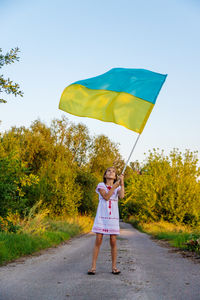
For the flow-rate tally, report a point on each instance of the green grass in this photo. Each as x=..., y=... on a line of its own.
x=175, y=239
x=15, y=245
x=176, y=234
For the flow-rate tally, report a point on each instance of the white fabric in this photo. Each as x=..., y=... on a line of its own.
x=107, y=216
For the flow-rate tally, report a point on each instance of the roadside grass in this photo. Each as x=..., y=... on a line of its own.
x=176, y=234
x=27, y=240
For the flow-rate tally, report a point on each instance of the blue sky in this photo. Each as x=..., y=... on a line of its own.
x=64, y=41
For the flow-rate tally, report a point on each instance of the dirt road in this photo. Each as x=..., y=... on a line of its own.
x=148, y=272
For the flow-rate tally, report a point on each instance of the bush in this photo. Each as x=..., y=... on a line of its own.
x=167, y=188
x=7, y=226
x=57, y=164
x=87, y=183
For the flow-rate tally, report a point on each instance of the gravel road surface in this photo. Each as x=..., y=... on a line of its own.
x=148, y=272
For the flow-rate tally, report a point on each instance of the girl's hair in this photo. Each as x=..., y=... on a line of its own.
x=104, y=179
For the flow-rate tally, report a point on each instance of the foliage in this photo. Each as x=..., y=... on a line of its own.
x=74, y=137
x=14, y=180
x=58, y=189
x=179, y=235
x=193, y=242
x=64, y=222
x=59, y=165
x=167, y=188
x=104, y=153
x=7, y=85
x=28, y=239
x=7, y=226
x=36, y=221
x=87, y=182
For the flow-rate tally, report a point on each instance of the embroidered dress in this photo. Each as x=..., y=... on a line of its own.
x=107, y=216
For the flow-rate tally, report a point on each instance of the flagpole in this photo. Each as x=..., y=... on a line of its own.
x=130, y=154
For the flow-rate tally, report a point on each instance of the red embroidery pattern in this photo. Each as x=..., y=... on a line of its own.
x=105, y=230
x=110, y=200
x=108, y=218
x=109, y=206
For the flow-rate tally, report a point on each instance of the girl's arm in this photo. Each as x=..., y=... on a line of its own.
x=121, y=192
x=107, y=195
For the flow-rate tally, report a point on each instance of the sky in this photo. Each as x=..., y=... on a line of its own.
x=68, y=40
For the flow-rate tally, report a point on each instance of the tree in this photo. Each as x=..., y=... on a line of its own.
x=87, y=183
x=104, y=154
x=76, y=138
x=167, y=189
x=7, y=85
x=58, y=165
x=35, y=166
x=15, y=181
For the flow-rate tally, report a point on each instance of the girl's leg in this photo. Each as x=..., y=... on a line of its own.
x=113, y=244
x=99, y=237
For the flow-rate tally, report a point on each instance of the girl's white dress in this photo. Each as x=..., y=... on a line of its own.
x=107, y=216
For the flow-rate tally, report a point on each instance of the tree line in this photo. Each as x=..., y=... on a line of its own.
x=58, y=165
x=165, y=187
x=61, y=164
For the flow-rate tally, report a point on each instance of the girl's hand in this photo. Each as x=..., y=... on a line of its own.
x=121, y=178
x=116, y=184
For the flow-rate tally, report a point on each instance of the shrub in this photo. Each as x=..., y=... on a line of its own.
x=167, y=188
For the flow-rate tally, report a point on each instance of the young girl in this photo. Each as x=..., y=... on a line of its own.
x=107, y=216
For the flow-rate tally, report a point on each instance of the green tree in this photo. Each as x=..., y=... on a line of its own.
x=6, y=85
x=75, y=137
x=168, y=188
x=14, y=180
x=135, y=166
x=87, y=183
x=57, y=188
x=104, y=153
x=58, y=164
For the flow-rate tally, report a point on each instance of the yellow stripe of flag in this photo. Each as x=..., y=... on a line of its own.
x=109, y=106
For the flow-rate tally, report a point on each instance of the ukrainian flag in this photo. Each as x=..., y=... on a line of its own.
x=122, y=96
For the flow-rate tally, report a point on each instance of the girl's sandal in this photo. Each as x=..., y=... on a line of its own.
x=115, y=271
x=91, y=271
